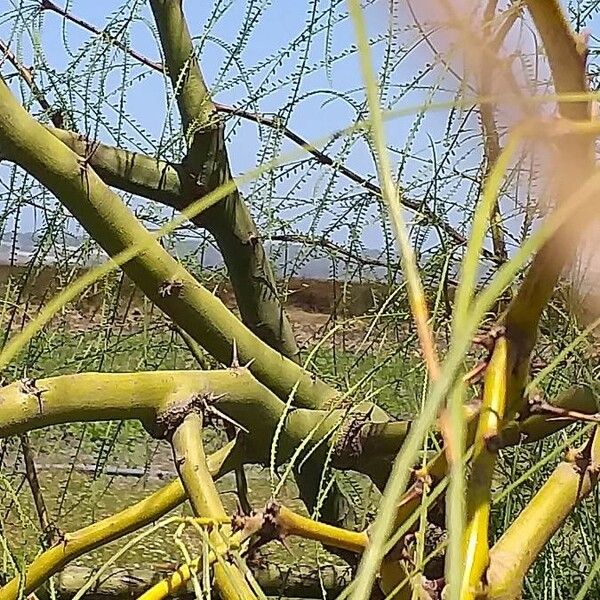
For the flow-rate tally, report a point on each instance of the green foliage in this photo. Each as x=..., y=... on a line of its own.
x=307, y=208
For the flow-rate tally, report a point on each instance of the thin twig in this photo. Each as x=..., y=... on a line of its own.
x=275, y=123
x=49, y=531
x=47, y=5
x=538, y=406
x=27, y=75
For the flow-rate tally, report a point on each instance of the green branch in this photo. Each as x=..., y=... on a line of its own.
x=175, y=291
x=574, y=166
x=133, y=172
x=365, y=444
x=207, y=163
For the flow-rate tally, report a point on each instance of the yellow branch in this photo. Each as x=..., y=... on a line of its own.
x=30, y=404
x=188, y=451
x=291, y=523
x=547, y=511
x=286, y=522
x=107, y=530
x=475, y=541
x=178, y=580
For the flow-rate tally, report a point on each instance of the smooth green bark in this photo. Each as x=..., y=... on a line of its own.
x=149, y=396
x=133, y=172
x=207, y=164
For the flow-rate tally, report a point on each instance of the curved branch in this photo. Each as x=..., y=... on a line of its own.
x=109, y=221
x=367, y=441
x=105, y=395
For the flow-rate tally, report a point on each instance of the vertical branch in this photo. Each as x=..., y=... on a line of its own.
x=476, y=536
x=207, y=164
x=188, y=451
x=574, y=164
x=491, y=138
x=229, y=221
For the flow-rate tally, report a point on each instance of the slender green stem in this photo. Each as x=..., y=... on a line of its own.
x=188, y=451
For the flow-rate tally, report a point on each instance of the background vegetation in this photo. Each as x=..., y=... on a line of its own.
x=444, y=73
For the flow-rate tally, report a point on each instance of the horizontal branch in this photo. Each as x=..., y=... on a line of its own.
x=134, y=172
x=154, y=396
x=292, y=581
x=368, y=446
x=291, y=523
x=582, y=399
x=360, y=436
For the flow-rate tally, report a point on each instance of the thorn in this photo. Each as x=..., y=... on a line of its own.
x=476, y=373
x=235, y=363
x=227, y=418
x=284, y=543
x=170, y=288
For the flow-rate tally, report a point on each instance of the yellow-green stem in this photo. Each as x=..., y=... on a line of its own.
x=521, y=543
x=476, y=535
x=188, y=450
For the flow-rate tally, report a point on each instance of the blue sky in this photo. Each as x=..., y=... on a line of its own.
x=318, y=109
x=317, y=113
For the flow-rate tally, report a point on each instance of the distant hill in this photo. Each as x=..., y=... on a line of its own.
x=289, y=259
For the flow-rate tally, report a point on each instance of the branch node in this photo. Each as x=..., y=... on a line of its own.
x=28, y=386
x=350, y=438
x=172, y=287
x=264, y=524
x=421, y=479
x=169, y=419
x=578, y=459
x=488, y=338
